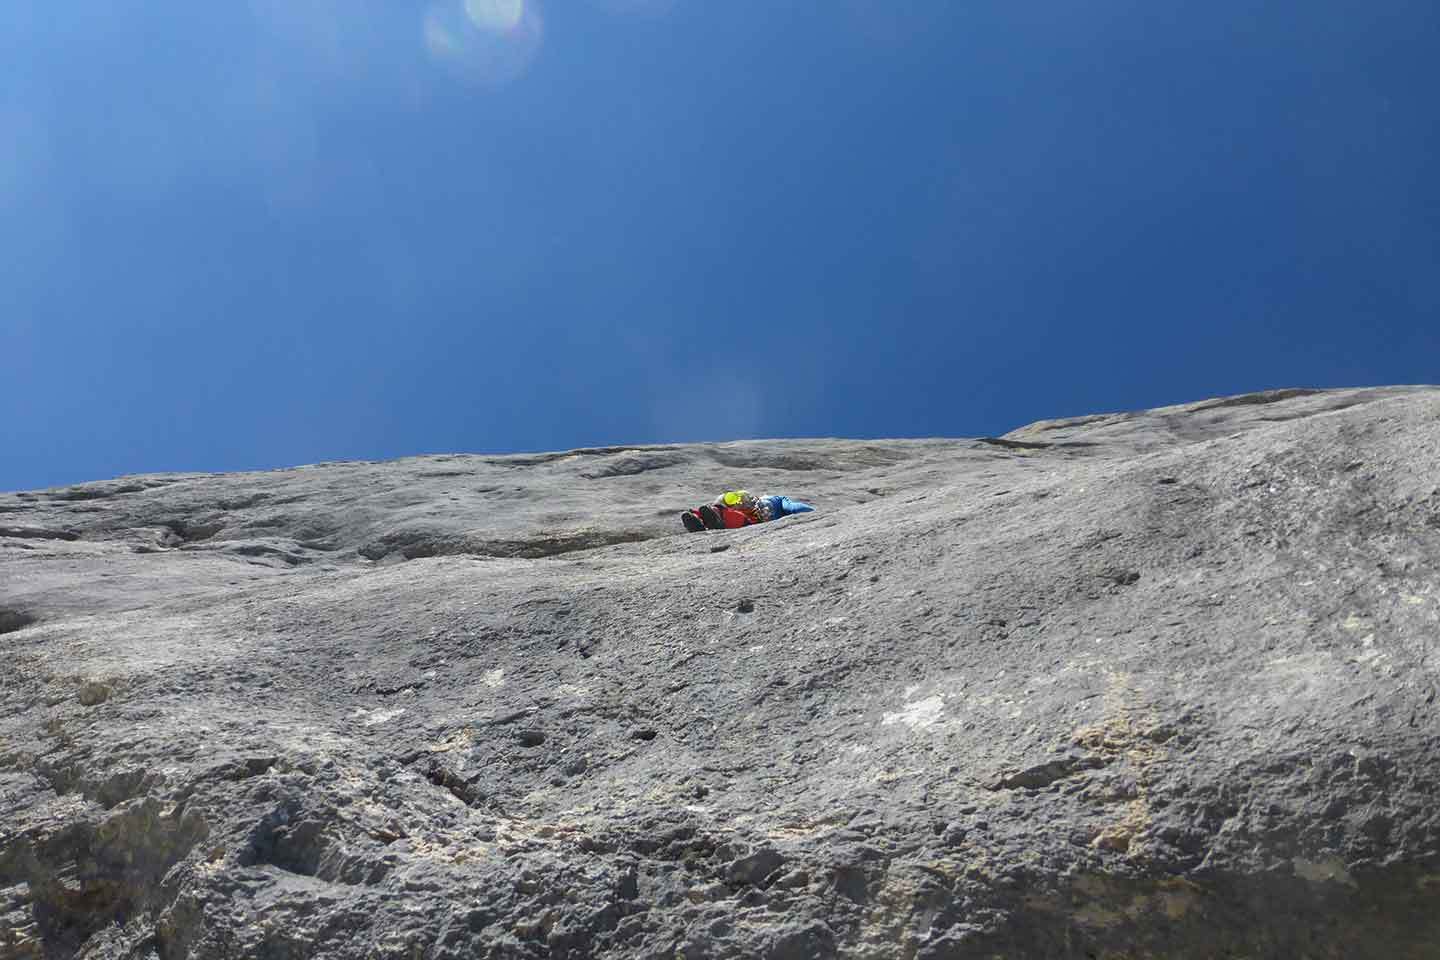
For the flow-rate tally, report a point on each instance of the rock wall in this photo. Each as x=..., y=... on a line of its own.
x=1158, y=684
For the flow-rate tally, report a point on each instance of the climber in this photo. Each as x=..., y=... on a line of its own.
x=739, y=508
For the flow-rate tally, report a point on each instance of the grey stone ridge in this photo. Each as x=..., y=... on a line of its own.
x=1140, y=685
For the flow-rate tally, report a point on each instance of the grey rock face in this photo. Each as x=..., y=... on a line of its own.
x=1159, y=684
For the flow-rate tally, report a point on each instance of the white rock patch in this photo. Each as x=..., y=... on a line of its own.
x=918, y=714
x=371, y=717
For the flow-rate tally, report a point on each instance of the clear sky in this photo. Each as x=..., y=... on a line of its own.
x=239, y=235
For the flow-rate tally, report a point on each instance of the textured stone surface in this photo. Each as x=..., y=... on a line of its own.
x=1158, y=684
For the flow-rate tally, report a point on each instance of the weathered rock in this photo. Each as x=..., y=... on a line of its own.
x=1159, y=684
x=754, y=867
x=93, y=692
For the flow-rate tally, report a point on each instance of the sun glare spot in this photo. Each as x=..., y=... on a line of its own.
x=497, y=15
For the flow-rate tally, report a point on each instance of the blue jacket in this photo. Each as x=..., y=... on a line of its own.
x=778, y=507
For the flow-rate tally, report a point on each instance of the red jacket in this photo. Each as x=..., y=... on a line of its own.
x=734, y=518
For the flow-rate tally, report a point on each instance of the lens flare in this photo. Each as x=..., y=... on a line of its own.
x=489, y=42
x=439, y=37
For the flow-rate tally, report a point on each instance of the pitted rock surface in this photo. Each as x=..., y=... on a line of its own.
x=1155, y=684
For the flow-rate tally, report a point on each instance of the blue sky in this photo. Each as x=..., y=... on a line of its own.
x=245, y=235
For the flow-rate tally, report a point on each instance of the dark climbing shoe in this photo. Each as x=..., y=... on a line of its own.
x=692, y=523
x=711, y=518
